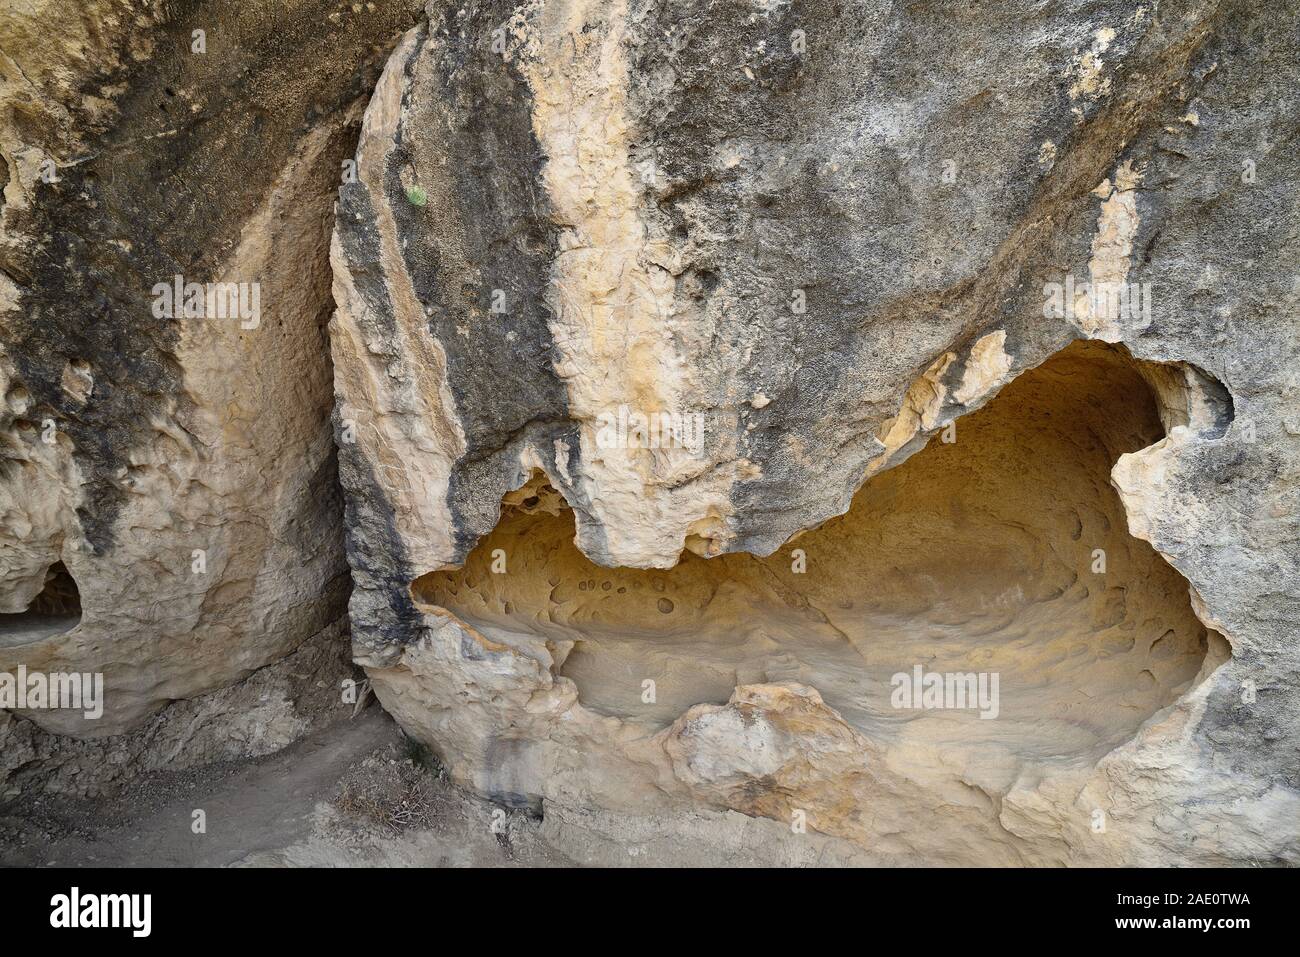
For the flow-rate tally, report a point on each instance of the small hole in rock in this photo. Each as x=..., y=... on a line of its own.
x=54, y=610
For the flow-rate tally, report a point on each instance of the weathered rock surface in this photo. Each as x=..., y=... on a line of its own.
x=168, y=508
x=839, y=248
x=831, y=230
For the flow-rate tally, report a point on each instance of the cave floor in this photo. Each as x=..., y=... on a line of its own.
x=24, y=628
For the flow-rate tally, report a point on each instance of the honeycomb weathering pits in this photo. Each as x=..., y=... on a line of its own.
x=974, y=556
x=857, y=432
x=655, y=232
x=979, y=556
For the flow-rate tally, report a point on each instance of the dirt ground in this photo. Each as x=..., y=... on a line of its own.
x=356, y=793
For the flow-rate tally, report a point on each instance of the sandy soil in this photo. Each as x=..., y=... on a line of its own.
x=356, y=793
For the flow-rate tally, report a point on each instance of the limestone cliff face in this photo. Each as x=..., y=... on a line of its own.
x=172, y=476
x=704, y=379
x=830, y=232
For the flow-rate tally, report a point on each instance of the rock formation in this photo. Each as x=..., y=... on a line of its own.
x=719, y=388
x=176, y=474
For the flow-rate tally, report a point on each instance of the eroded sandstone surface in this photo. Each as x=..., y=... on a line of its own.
x=175, y=475
x=695, y=369
x=851, y=238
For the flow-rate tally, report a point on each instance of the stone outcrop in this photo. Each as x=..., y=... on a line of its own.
x=175, y=474
x=826, y=432
x=858, y=243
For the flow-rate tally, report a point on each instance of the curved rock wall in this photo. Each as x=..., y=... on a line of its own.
x=180, y=469
x=741, y=347
x=826, y=233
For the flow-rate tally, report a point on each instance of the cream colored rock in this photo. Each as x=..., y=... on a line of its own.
x=910, y=476
x=752, y=418
x=169, y=516
x=228, y=553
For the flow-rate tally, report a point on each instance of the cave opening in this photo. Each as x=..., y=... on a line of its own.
x=54, y=610
x=1002, y=558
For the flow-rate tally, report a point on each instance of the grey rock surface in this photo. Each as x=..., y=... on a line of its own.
x=176, y=474
x=832, y=230
x=694, y=368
